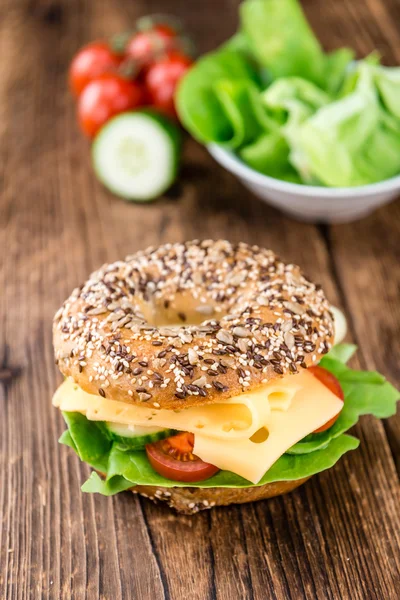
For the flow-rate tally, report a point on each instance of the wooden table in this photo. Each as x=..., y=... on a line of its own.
x=338, y=536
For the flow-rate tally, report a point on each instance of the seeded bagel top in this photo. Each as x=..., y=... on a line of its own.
x=191, y=323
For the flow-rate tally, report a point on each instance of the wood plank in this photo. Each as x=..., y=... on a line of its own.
x=56, y=225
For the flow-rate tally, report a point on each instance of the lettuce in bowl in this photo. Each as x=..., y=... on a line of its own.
x=288, y=109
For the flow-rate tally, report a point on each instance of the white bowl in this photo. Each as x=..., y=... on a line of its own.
x=307, y=202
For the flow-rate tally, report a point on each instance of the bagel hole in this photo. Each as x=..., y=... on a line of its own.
x=185, y=310
x=260, y=436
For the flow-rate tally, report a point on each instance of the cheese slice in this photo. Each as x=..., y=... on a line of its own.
x=311, y=407
x=245, y=434
x=237, y=418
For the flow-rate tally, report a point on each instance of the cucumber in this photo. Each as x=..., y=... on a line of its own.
x=136, y=154
x=136, y=437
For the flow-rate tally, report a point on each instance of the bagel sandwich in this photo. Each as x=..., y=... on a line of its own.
x=207, y=373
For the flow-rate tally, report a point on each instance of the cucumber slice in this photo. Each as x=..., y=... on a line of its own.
x=136, y=154
x=136, y=437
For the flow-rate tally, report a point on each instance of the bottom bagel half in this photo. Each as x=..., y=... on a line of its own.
x=191, y=500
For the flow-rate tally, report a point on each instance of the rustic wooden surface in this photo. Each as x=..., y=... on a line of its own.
x=338, y=536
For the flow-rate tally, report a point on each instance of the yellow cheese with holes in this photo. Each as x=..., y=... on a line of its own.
x=238, y=417
x=311, y=407
x=245, y=434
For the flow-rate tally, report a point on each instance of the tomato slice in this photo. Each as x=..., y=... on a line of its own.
x=173, y=458
x=333, y=385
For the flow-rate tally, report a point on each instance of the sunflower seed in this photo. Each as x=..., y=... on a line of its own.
x=289, y=340
x=224, y=336
x=287, y=325
x=242, y=344
x=241, y=332
x=200, y=382
x=185, y=337
x=295, y=308
x=98, y=310
x=168, y=332
x=193, y=356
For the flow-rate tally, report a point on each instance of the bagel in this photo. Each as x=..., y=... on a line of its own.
x=191, y=500
x=192, y=323
x=148, y=344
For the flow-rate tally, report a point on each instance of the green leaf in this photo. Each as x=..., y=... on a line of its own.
x=294, y=94
x=88, y=440
x=96, y=485
x=365, y=392
x=351, y=141
x=281, y=39
x=66, y=439
x=388, y=83
x=342, y=352
x=198, y=102
x=132, y=468
x=337, y=64
x=242, y=106
x=269, y=154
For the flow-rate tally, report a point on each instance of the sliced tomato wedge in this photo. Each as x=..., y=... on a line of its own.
x=333, y=385
x=173, y=458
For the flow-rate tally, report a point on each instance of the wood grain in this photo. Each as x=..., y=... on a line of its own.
x=338, y=536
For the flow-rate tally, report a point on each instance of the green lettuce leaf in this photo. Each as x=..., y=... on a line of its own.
x=210, y=113
x=292, y=100
x=337, y=64
x=133, y=468
x=66, y=439
x=288, y=109
x=342, y=352
x=110, y=487
x=268, y=154
x=282, y=40
x=388, y=83
x=241, y=102
x=351, y=141
x=88, y=439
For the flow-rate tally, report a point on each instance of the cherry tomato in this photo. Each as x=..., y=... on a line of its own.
x=104, y=97
x=333, y=385
x=162, y=78
x=173, y=458
x=90, y=62
x=144, y=46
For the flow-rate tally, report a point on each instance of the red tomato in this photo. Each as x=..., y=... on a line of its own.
x=162, y=78
x=90, y=62
x=145, y=45
x=104, y=97
x=173, y=458
x=333, y=385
